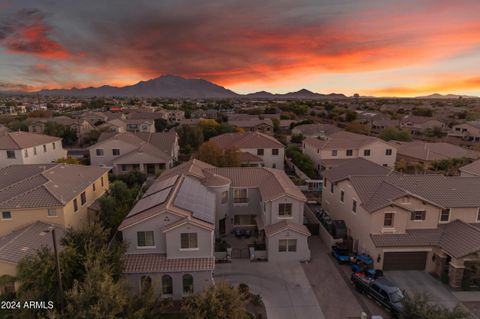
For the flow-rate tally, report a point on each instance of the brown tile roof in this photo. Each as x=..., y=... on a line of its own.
x=44, y=185
x=283, y=225
x=472, y=168
x=27, y=240
x=456, y=238
x=21, y=140
x=246, y=140
x=249, y=157
x=355, y=166
x=316, y=129
x=152, y=263
x=342, y=140
x=146, y=154
x=433, y=151
x=250, y=122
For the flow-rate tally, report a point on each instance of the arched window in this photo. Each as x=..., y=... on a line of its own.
x=167, y=285
x=145, y=283
x=187, y=284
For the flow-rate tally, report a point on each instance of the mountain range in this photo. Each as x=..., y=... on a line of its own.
x=175, y=86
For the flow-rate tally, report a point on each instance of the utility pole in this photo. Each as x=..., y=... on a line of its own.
x=57, y=258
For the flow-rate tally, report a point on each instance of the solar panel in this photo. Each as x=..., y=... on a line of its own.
x=160, y=185
x=148, y=202
x=195, y=197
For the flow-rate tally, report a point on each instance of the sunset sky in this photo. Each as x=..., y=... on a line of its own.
x=371, y=47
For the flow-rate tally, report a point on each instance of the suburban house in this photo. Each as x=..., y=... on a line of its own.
x=36, y=196
x=115, y=125
x=79, y=126
x=469, y=131
x=419, y=124
x=425, y=153
x=407, y=222
x=256, y=149
x=331, y=151
x=171, y=231
x=472, y=169
x=254, y=125
x=95, y=118
x=315, y=130
x=149, y=153
x=140, y=125
x=29, y=148
x=172, y=115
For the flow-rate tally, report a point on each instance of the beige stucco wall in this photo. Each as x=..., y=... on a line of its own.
x=107, y=147
x=301, y=254
x=51, y=155
x=204, y=239
x=268, y=158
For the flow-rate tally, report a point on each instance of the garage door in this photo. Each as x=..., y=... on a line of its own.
x=411, y=260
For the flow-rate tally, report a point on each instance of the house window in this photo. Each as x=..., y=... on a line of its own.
x=124, y=167
x=244, y=220
x=287, y=245
x=145, y=283
x=75, y=205
x=145, y=239
x=6, y=215
x=240, y=195
x=354, y=206
x=224, y=197
x=83, y=198
x=388, y=220
x=418, y=215
x=44, y=148
x=275, y=151
x=115, y=151
x=10, y=154
x=332, y=187
x=445, y=215
x=366, y=152
x=349, y=152
x=478, y=215
x=334, y=152
x=285, y=210
x=260, y=151
x=342, y=196
x=99, y=152
x=53, y=145
x=188, y=240
x=26, y=153
x=52, y=212
x=34, y=151
x=187, y=280
x=101, y=181
x=94, y=188
x=388, y=152
x=167, y=285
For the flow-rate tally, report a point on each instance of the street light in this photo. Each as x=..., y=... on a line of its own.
x=51, y=229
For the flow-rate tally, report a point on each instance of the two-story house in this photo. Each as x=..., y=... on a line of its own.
x=419, y=124
x=340, y=146
x=36, y=196
x=79, y=126
x=149, y=153
x=256, y=149
x=140, y=125
x=171, y=231
x=29, y=148
x=254, y=125
x=407, y=222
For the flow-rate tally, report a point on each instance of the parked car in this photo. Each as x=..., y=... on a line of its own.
x=381, y=290
x=364, y=263
x=340, y=254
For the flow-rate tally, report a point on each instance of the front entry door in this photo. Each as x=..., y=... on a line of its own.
x=221, y=226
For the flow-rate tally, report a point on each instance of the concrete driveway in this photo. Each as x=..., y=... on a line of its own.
x=285, y=290
x=414, y=281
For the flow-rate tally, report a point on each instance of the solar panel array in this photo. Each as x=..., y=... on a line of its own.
x=195, y=197
x=160, y=185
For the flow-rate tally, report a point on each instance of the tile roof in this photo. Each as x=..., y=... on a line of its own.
x=472, y=168
x=250, y=122
x=246, y=140
x=283, y=225
x=342, y=140
x=433, y=151
x=316, y=129
x=31, y=186
x=355, y=166
x=146, y=153
x=27, y=240
x=152, y=263
x=249, y=157
x=457, y=238
x=21, y=140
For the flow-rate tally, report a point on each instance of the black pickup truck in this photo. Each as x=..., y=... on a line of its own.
x=381, y=290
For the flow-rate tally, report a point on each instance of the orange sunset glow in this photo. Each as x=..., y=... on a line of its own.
x=378, y=48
